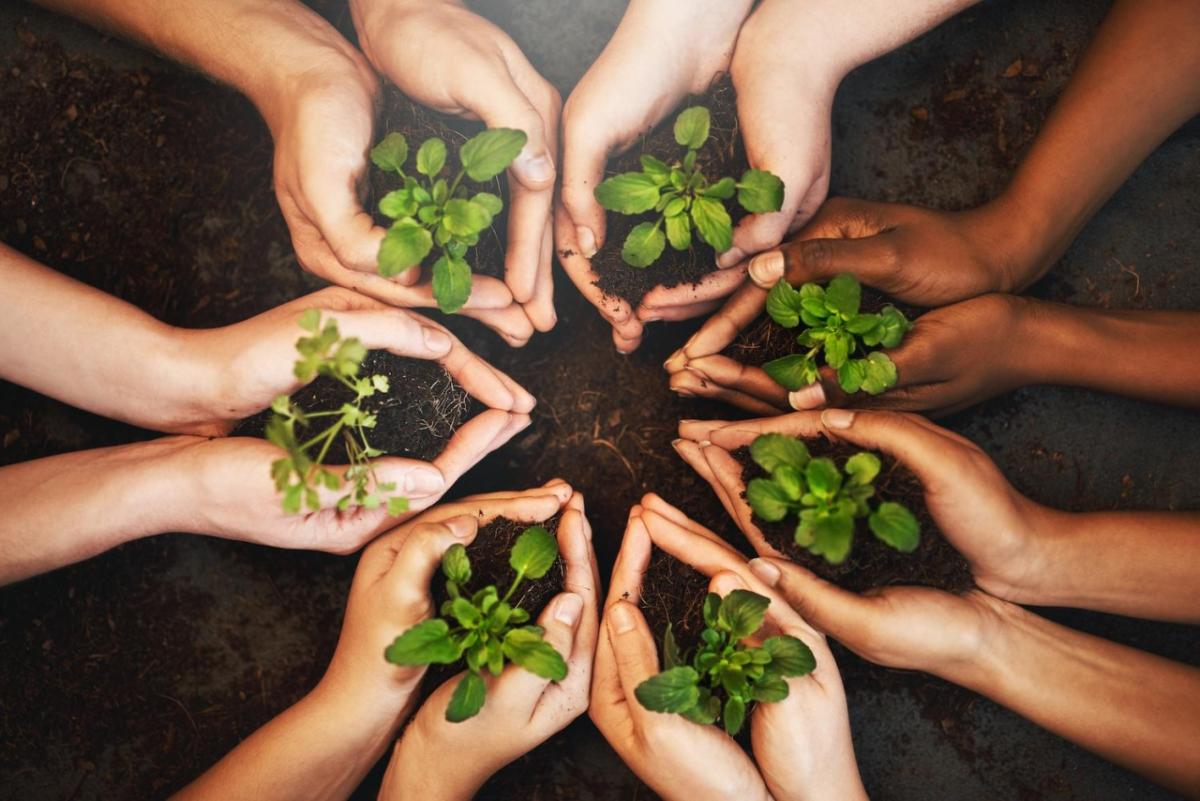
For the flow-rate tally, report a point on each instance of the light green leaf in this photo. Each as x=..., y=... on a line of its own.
x=456, y=565
x=673, y=690
x=823, y=478
x=405, y=245
x=397, y=506
x=466, y=217
x=643, y=245
x=767, y=499
x=862, y=468
x=783, y=304
x=451, y=283
x=526, y=648
x=658, y=170
x=837, y=348
x=895, y=525
x=881, y=373
x=488, y=153
x=534, y=552
x=760, y=192
x=691, y=127
x=792, y=372
x=628, y=193
x=843, y=295
x=772, y=451
x=895, y=326
x=427, y=643
x=722, y=189
x=467, y=699
x=431, y=156
x=852, y=374
x=713, y=223
x=790, y=481
x=491, y=202
x=742, y=612
x=310, y=321
x=397, y=204
x=679, y=231
x=391, y=153
x=832, y=535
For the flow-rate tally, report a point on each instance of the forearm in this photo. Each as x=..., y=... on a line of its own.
x=1135, y=709
x=63, y=509
x=1138, y=81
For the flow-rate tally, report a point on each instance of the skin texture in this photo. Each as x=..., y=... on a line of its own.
x=521, y=710
x=802, y=747
x=362, y=697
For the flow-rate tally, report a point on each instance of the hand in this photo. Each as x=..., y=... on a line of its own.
x=1004, y=536
x=521, y=710
x=454, y=61
x=954, y=357
x=660, y=53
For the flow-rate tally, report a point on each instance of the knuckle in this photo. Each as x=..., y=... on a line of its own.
x=810, y=256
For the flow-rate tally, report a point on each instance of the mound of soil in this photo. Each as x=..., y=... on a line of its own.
x=422, y=409
x=872, y=563
x=673, y=593
x=723, y=155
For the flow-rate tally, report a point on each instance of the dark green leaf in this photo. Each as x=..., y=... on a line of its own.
x=691, y=127
x=456, y=565
x=843, y=295
x=391, y=153
x=767, y=499
x=790, y=656
x=404, y=246
x=431, y=157
x=488, y=153
x=792, y=372
x=771, y=451
x=467, y=699
x=742, y=612
x=713, y=223
x=643, y=245
x=706, y=710
x=712, y=608
x=525, y=648
x=534, y=552
x=783, y=304
x=734, y=715
x=770, y=690
x=852, y=374
x=760, y=192
x=671, y=657
x=895, y=525
x=881, y=373
x=672, y=690
x=628, y=193
x=451, y=283
x=427, y=643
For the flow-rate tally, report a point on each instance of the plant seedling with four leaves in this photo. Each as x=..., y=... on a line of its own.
x=836, y=330
x=724, y=666
x=683, y=198
x=302, y=472
x=483, y=626
x=827, y=501
x=428, y=210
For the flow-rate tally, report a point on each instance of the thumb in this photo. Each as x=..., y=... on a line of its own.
x=419, y=556
x=499, y=102
x=633, y=647
x=518, y=689
x=395, y=330
x=837, y=612
x=585, y=154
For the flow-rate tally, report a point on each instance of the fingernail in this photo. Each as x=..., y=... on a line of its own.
x=538, y=168
x=766, y=572
x=676, y=442
x=620, y=618
x=685, y=393
x=462, y=526
x=810, y=397
x=676, y=362
x=766, y=269
x=837, y=418
x=423, y=481
x=730, y=258
x=704, y=443
x=586, y=240
x=435, y=339
x=686, y=421
x=567, y=609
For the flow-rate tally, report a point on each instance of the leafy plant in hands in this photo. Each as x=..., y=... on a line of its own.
x=428, y=210
x=484, y=627
x=724, y=666
x=837, y=331
x=302, y=472
x=683, y=198
x=827, y=501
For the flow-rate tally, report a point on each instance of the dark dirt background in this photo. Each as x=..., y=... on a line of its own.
x=126, y=676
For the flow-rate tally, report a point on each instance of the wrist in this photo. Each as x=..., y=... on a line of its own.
x=419, y=769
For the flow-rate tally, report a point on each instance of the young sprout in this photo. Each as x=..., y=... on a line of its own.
x=826, y=500
x=302, y=472
x=484, y=626
x=427, y=210
x=683, y=198
x=724, y=666
x=837, y=331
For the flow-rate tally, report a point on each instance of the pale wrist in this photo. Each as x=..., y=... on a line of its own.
x=419, y=772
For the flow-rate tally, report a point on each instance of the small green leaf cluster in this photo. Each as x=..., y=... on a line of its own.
x=683, y=198
x=428, y=210
x=836, y=330
x=484, y=627
x=827, y=501
x=301, y=473
x=725, y=666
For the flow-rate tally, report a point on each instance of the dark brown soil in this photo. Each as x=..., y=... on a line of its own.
x=872, y=563
x=417, y=123
x=723, y=155
x=422, y=409
x=673, y=593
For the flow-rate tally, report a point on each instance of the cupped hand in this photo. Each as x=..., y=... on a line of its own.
x=446, y=57
x=521, y=710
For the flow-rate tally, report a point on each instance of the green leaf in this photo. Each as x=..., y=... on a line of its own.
x=895, y=525
x=767, y=499
x=706, y=710
x=722, y=189
x=895, y=326
x=742, y=612
x=465, y=613
x=491, y=202
x=526, y=648
x=451, y=283
x=467, y=699
x=310, y=321
x=672, y=690
x=783, y=304
x=679, y=231
x=658, y=170
x=881, y=373
x=427, y=643
x=823, y=477
x=832, y=535
x=391, y=153
x=671, y=656
x=837, y=348
x=431, y=156
x=770, y=690
x=643, y=245
x=397, y=204
x=852, y=374
x=863, y=323
x=790, y=481
x=397, y=506
x=843, y=295
x=534, y=552
x=713, y=223
x=628, y=193
x=734, y=715
x=405, y=245
x=488, y=153
x=466, y=217
x=772, y=451
x=790, y=656
x=760, y=192
x=712, y=608
x=862, y=468
x=456, y=565
x=691, y=127
x=792, y=372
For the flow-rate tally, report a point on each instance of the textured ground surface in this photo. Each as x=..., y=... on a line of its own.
x=124, y=677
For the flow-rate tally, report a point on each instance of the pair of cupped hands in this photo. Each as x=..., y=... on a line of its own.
x=801, y=746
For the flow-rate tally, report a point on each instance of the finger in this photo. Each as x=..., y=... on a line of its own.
x=419, y=555
x=632, y=561
x=749, y=380
x=555, y=488
x=633, y=650
x=398, y=331
x=732, y=436
x=690, y=547
x=626, y=346
x=616, y=311
x=475, y=439
x=540, y=308
x=691, y=384
x=700, y=430
x=841, y=614
x=583, y=579
x=652, y=502
x=585, y=153
x=511, y=323
x=720, y=330
x=730, y=484
x=872, y=260
x=486, y=383
x=710, y=287
x=673, y=314
x=518, y=690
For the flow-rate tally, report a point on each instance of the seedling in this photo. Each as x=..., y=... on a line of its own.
x=430, y=211
x=683, y=198
x=836, y=331
x=724, y=666
x=484, y=626
x=826, y=500
x=301, y=473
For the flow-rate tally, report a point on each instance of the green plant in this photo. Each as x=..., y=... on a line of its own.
x=838, y=332
x=429, y=210
x=484, y=627
x=683, y=198
x=725, y=666
x=300, y=474
x=826, y=500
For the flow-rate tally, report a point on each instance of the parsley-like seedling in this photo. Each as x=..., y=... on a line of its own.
x=484, y=627
x=827, y=500
x=429, y=210
x=725, y=666
x=684, y=198
x=837, y=331
x=301, y=473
